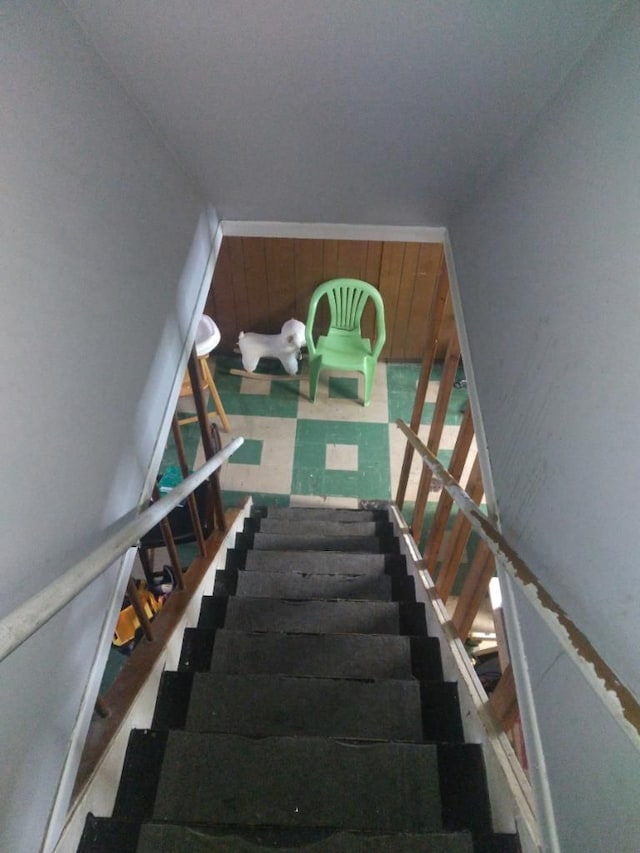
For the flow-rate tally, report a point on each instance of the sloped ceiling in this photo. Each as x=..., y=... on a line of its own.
x=359, y=111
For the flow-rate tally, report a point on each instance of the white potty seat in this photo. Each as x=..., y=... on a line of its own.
x=207, y=336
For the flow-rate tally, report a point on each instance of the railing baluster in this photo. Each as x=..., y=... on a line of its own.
x=456, y=466
x=436, y=313
x=459, y=536
x=143, y=619
x=170, y=544
x=449, y=370
x=207, y=443
x=184, y=467
x=504, y=701
x=473, y=590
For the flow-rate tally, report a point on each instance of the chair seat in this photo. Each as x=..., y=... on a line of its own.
x=343, y=352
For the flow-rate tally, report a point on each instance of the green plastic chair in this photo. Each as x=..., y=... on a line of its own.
x=343, y=347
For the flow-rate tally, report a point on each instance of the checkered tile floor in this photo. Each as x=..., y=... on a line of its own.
x=332, y=451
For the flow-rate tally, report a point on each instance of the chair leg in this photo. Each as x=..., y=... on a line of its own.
x=314, y=372
x=211, y=385
x=368, y=374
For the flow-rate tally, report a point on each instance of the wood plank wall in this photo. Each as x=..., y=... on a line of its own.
x=260, y=282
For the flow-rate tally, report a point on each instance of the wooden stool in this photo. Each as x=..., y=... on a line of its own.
x=207, y=339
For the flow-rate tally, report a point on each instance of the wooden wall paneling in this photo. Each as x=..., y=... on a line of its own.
x=309, y=273
x=390, y=270
x=372, y=275
x=374, y=258
x=259, y=283
x=240, y=296
x=352, y=258
x=220, y=303
x=281, y=286
x=429, y=265
x=330, y=269
x=407, y=285
x=329, y=259
x=255, y=274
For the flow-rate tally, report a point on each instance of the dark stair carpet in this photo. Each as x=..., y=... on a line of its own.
x=308, y=712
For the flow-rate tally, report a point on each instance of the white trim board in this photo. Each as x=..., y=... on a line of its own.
x=333, y=231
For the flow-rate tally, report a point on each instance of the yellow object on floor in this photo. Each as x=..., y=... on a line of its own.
x=128, y=623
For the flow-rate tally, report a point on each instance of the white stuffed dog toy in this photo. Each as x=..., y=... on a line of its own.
x=286, y=346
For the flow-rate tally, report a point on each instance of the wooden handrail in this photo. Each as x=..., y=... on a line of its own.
x=616, y=696
x=29, y=617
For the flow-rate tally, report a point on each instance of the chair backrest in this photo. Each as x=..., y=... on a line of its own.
x=347, y=299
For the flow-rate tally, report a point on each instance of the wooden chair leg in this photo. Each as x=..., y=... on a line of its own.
x=217, y=402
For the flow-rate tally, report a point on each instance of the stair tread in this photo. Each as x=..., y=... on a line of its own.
x=295, y=513
x=314, y=616
x=295, y=584
x=319, y=707
x=305, y=527
x=302, y=781
x=332, y=655
x=316, y=542
x=171, y=838
x=319, y=562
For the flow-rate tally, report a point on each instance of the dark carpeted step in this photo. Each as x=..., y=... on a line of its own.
x=303, y=513
x=464, y=790
x=301, y=585
x=313, y=617
x=140, y=772
x=110, y=835
x=318, y=562
x=170, y=838
x=311, y=527
x=228, y=779
x=316, y=542
x=172, y=701
x=276, y=705
x=325, y=655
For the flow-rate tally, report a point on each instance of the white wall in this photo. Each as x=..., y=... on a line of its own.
x=103, y=248
x=548, y=263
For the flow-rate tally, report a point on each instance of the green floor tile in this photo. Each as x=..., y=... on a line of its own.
x=310, y=477
x=281, y=402
x=249, y=453
x=343, y=388
x=190, y=438
x=402, y=381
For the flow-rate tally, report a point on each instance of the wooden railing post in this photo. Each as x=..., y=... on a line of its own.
x=143, y=619
x=170, y=544
x=449, y=370
x=474, y=590
x=436, y=313
x=456, y=466
x=504, y=701
x=459, y=536
x=184, y=468
x=205, y=431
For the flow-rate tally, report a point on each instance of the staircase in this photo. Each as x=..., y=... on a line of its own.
x=308, y=712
